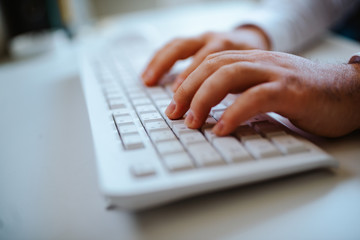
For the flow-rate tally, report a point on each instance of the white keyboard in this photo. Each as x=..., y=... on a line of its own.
x=145, y=159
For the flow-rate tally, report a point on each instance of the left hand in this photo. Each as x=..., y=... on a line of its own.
x=320, y=98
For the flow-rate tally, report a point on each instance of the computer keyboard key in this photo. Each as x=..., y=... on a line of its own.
x=163, y=135
x=169, y=147
x=141, y=101
x=150, y=117
x=178, y=162
x=159, y=96
x=209, y=123
x=119, y=112
x=162, y=102
x=127, y=129
x=218, y=108
x=229, y=99
x=205, y=155
x=288, y=144
x=172, y=122
x=132, y=141
x=193, y=137
x=231, y=149
x=145, y=109
x=156, y=126
x=115, y=104
x=268, y=129
x=114, y=96
x=155, y=90
x=142, y=169
x=209, y=134
x=123, y=119
x=217, y=115
x=261, y=148
x=245, y=132
x=137, y=95
x=181, y=128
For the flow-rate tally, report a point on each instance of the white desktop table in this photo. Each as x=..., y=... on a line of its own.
x=48, y=182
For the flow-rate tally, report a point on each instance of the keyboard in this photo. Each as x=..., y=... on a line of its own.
x=144, y=159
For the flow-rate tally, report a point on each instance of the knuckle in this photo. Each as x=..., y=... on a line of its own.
x=210, y=63
x=227, y=71
x=208, y=34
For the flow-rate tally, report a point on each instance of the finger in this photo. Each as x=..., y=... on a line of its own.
x=262, y=98
x=186, y=91
x=235, y=77
x=197, y=60
x=166, y=57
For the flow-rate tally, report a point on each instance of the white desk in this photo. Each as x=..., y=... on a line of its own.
x=48, y=185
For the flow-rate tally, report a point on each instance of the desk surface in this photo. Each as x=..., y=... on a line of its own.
x=48, y=182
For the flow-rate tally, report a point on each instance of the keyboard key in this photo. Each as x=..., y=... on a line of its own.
x=218, y=108
x=155, y=90
x=136, y=95
x=155, y=126
x=142, y=169
x=132, y=141
x=209, y=134
x=205, y=155
x=229, y=99
x=268, y=129
x=209, y=122
x=288, y=144
x=162, y=135
x=116, y=95
x=246, y=132
x=162, y=102
x=122, y=111
x=217, y=115
x=182, y=129
x=261, y=148
x=178, y=162
x=159, y=96
x=127, y=129
x=169, y=147
x=123, y=119
x=150, y=117
x=192, y=137
x=173, y=122
x=115, y=104
x=145, y=109
x=141, y=101
x=231, y=149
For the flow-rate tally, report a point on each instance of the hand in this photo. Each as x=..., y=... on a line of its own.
x=243, y=38
x=320, y=98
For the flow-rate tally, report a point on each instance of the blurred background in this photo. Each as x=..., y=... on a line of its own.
x=33, y=22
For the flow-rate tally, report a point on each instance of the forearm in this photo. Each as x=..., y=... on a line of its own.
x=291, y=24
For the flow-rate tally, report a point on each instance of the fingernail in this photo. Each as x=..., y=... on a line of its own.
x=219, y=127
x=171, y=108
x=189, y=118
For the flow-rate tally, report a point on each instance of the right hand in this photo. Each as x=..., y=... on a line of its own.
x=243, y=38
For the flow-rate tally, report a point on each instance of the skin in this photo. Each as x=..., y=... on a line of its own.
x=322, y=99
